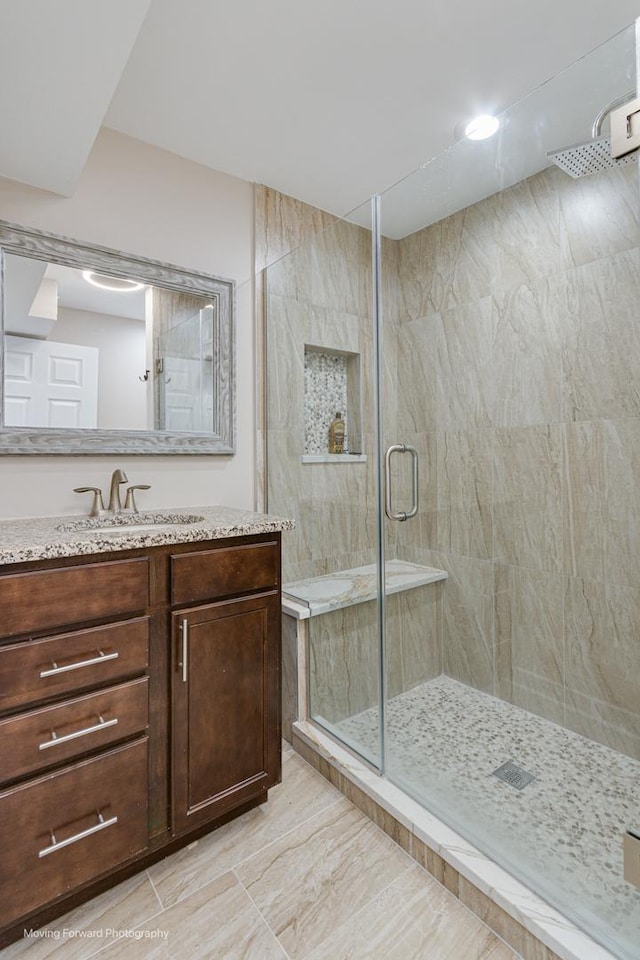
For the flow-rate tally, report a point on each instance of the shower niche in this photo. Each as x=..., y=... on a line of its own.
x=331, y=386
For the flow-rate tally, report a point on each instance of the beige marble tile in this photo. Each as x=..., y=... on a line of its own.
x=288, y=477
x=584, y=499
x=443, y=872
x=388, y=823
x=284, y=223
x=394, y=645
x=421, y=637
x=622, y=530
x=302, y=794
x=296, y=547
x=527, y=231
x=464, y=489
x=529, y=640
x=500, y=921
x=413, y=637
x=421, y=529
x=287, y=330
x=602, y=624
x=448, y=264
x=219, y=920
x=601, y=339
x=527, y=507
x=320, y=875
x=412, y=919
x=603, y=722
x=417, y=379
x=466, y=372
x=82, y=932
x=467, y=622
x=526, y=361
x=344, y=662
x=334, y=269
x=599, y=215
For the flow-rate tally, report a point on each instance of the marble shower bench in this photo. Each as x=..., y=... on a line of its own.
x=333, y=591
x=305, y=600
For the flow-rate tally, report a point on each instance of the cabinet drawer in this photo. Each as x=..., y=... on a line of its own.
x=42, y=738
x=37, y=669
x=207, y=574
x=61, y=831
x=91, y=591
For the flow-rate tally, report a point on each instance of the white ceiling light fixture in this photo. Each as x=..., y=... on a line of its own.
x=115, y=284
x=481, y=127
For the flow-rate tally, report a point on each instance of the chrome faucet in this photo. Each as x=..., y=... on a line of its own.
x=115, y=504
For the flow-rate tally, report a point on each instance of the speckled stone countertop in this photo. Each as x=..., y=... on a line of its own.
x=46, y=538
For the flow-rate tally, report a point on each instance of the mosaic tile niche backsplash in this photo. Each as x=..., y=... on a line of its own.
x=325, y=394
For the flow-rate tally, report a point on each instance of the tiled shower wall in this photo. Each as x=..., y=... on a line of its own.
x=520, y=318
x=321, y=295
x=516, y=322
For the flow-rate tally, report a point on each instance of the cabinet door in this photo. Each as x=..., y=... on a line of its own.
x=226, y=706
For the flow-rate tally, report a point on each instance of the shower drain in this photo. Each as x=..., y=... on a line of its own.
x=514, y=775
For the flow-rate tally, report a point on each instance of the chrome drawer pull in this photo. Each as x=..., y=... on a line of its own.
x=102, y=824
x=55, y=669
x=55, y=739
x=184, y=626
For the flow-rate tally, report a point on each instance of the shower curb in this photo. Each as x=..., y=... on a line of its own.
x=527, y=923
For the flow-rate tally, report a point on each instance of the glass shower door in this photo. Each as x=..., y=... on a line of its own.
x=320, y=363
x=509, y=302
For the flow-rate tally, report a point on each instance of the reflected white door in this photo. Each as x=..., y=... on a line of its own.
x=182, y=395
x=48, y=384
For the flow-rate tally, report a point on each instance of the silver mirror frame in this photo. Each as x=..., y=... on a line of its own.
x=15, y=239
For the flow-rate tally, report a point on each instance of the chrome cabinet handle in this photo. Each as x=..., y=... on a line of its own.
x=56, y=740
x=388, y=507
x=102, y=824
x=184, y=626
x=55, y=669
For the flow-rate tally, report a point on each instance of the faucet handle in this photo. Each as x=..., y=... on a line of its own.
x=97, y=506
x=130, y=500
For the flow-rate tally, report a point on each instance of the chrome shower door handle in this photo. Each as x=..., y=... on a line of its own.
x=400, y=515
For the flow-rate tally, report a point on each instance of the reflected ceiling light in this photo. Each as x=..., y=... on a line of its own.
x=115, y=284
x=482, y=127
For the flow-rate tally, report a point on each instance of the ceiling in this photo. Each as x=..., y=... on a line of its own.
x=328, y=102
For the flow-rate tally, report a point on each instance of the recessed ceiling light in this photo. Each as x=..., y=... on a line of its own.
x=115, y=284
x=482, y=127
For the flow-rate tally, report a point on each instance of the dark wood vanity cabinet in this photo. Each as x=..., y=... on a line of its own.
x=227, y=681
x=139, y=708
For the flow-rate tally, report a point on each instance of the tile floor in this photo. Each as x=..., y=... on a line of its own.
x=305, y=876
x=562, y=833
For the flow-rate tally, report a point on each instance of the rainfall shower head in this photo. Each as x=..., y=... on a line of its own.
x=593, y=156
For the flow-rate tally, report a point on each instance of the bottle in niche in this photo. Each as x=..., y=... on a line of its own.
x=336, y=434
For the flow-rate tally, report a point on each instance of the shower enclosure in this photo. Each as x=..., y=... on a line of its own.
x=468, y=569
x=184, y=364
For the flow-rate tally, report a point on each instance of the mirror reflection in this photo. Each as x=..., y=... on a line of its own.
x=107, y=352
x=90, y=350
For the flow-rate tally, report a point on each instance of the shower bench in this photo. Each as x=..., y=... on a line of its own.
x=333, y=591
x=305, y=599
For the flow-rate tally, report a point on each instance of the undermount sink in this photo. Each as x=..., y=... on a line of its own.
x=120, y=523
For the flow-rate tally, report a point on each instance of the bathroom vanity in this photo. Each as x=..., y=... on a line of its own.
x=139, y=695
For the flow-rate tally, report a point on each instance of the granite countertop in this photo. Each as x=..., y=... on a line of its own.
x=46, y=538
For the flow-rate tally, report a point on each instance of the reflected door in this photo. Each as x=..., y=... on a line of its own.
x=49, y=384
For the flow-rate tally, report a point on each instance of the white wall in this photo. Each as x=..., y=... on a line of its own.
x=146, y=201
x=122, y=357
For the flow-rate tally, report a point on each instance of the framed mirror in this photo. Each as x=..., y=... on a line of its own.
x=105, y=353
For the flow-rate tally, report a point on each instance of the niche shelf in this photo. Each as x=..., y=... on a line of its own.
x=331, y=384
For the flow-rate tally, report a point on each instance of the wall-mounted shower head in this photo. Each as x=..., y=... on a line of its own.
x=593, y=156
